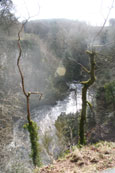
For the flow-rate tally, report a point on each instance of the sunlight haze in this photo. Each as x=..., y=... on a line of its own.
x=93, y=12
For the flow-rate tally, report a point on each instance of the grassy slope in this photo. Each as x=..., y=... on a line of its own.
x=88, y=159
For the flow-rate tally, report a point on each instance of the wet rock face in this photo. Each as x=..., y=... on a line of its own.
x=6, y=137
x=14, y=142
x=10, y=113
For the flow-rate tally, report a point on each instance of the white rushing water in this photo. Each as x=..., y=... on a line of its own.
x=47, y=116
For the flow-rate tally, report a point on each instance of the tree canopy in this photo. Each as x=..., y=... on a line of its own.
x=7, y=17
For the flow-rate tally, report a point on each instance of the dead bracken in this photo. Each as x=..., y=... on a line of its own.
x=88, y=159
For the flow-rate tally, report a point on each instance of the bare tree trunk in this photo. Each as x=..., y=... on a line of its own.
x=31, y=125
x=27, y=94
x=28, y=110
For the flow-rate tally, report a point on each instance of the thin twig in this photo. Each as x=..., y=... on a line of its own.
x=103, y=55
x=82, y=66
x=19, y=56
x=104, y=45
x=99, y=32
x=27, y=94
x=39, y=93
x=90, y=105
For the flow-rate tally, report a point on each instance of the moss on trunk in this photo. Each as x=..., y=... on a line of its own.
x=86, y=85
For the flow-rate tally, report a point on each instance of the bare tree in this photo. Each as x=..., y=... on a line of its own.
x=31, y=125
x=86, y=85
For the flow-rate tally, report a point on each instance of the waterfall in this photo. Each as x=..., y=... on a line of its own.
x=45, y=118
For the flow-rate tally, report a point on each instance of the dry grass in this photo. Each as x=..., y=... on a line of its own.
x=88, y=159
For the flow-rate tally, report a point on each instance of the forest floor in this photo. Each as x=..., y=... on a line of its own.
x=88, y=159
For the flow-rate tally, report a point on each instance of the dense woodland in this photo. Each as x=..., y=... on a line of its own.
x=52, y=51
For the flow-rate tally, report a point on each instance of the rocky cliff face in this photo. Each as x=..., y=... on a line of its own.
x=11, y=99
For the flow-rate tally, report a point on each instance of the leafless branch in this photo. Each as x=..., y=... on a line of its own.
x=27, y=94
x=89, y=105
x=28, y=13
x=103, y=55
x=104, y=45
x=19, y=56
x=84, y=68
x=101, y=29
x=40, y=94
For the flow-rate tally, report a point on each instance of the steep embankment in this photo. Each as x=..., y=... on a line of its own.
x=89, y=159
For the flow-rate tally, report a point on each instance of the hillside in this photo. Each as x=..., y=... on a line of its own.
x=51, y=53
x=89, y=159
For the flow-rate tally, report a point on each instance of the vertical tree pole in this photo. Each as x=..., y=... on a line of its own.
x=86, y=85
x=31, y=126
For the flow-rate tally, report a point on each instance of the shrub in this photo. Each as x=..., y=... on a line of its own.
x=110, y=93
x=67, y=128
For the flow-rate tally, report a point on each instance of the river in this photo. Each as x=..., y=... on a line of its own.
x=45, y=118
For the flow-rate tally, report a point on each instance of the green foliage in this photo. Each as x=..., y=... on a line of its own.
x=35, y=147
x=110, y=92
x=47, y=139
x=66, y=126
x=99, y=91
x=7, y=18
x=72, y=69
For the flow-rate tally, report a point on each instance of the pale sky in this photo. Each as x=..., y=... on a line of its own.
x=92, y=11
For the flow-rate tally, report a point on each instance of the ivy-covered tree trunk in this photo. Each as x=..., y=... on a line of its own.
x=86, y=85
x=31, y=126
